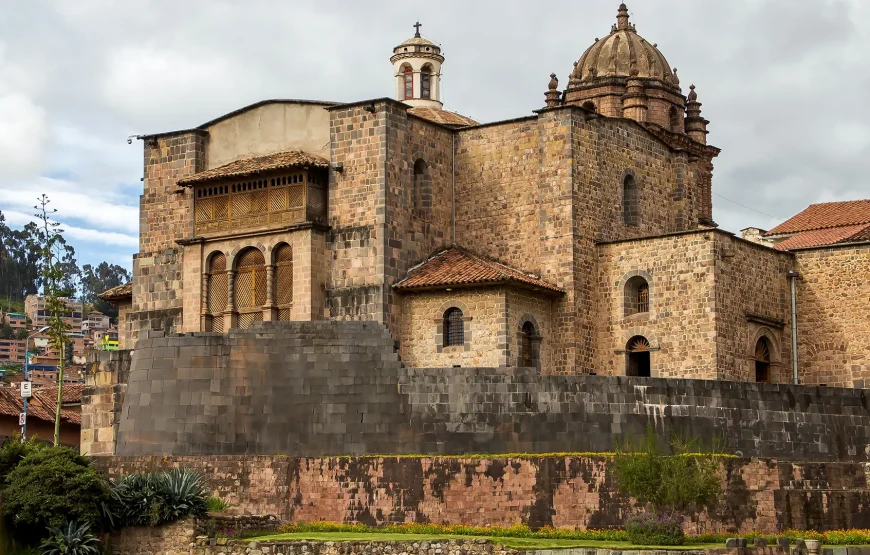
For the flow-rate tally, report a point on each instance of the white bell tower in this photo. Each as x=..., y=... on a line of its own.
x=417, y=68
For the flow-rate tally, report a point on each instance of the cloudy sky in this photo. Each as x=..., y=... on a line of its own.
x=784, y=83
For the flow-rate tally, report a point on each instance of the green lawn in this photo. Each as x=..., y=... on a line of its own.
x=521, y=543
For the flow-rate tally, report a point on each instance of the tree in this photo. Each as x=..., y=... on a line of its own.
x=56, y=286
x=6, y=331
x=97, y=279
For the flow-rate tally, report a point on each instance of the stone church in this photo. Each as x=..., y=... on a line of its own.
x=577, y=238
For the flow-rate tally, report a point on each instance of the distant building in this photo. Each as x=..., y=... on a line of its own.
x=35, y=309
x=12, y=350
x=15, y=320
x=94, y=321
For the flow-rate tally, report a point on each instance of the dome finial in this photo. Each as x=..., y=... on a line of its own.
x=692, y=94
x=622, y=17
x=417, y=27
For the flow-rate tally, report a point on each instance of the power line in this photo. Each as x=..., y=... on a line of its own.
x=748, y=208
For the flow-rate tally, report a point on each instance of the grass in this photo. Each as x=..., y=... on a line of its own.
x=518, y=543
x=8, y=305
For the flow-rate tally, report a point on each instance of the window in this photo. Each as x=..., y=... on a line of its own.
x=676, y=124
x=250, y=287
x=408, y=76
x=589, y=105
x=638, y=357
x=636, y=296
x=426, y=82
x=530, y=343
x=454, y=333
x=284, y=281
x=216, y=287
x=762, y=361
x=422, y=189
x=630, y=201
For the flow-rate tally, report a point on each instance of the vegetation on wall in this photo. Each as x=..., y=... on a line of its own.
x=670, y=486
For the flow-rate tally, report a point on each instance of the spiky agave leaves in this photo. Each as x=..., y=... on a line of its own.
x=71, y=539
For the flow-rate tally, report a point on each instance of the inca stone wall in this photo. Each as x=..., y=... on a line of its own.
x=559, y=491
x=102, y=399
x=326, y=388
x=833, y=305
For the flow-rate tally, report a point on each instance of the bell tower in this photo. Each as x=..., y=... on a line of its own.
x=417, y=68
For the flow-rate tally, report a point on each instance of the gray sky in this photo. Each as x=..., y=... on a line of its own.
x=783, y=82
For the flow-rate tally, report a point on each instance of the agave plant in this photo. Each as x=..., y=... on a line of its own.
x=183, y=495
x=71, y=539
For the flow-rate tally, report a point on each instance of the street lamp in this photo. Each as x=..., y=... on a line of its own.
x=27, y=373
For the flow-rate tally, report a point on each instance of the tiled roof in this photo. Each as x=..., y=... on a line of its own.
x=460, y=268
x=450, y=119
x=43, y=404
x=258, y=164
x=823, y=237
x=46, y=400
x=117, y=293
x=826, y=215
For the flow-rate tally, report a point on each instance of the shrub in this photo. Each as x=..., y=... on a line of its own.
x=655, y=529
x=13, y=451
x=156, y=498
x=51, y=486
x=687, y=480
x=71, y=539
x=216, y=505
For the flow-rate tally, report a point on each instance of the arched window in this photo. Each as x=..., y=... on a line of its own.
x=284, y=280
x=630, y=201
x=422, y=189
x=216, y=283
x=675, y=120
x=408, y=82
x=426, y=81
x=454, y=332
x=530, y=343
x=762, y=360
x=636, y=296
x=638, y=357
x=589, y=105
x=250, y=286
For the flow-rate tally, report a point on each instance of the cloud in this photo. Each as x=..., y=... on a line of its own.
x=782, y=82
x=73, y=204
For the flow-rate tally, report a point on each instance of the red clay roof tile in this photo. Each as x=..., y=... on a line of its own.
x=460, y=268
x=823, y=237
x=258, y=164
x=450, y=119
x=825, y=215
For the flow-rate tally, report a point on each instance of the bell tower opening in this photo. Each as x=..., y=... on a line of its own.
x=417, y=69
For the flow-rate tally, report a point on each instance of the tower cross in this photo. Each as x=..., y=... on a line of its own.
x=417, y=26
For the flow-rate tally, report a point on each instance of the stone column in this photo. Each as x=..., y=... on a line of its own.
x=634, y=101
x=203, y=313
x=270, y=310
x=230, y=314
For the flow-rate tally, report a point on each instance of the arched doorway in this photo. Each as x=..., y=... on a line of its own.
x=249, y=289
x=638, y=357
x=762, y=361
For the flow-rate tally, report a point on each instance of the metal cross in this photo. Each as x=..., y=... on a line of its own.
x=417, y=26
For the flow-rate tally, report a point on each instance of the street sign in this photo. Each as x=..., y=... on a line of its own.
x=26, y=390
x=22, y=418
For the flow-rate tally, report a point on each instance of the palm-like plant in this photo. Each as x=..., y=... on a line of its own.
x=71, y=539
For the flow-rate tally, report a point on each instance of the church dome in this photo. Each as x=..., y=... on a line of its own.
x=622, y=54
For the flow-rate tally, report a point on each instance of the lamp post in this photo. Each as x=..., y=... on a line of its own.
x=27, y=374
